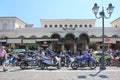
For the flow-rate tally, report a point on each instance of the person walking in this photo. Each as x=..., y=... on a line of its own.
x=3, y=57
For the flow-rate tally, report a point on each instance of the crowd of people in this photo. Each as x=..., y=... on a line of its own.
x=65, y=51
x=76, y=52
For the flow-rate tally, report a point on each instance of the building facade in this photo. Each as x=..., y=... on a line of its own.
x=75, y=34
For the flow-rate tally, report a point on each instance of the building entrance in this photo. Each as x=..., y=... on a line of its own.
x=69, y=46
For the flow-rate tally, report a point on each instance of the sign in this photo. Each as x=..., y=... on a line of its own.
x=109, y=40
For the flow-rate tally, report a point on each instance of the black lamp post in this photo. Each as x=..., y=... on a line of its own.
x=103, y=16
x=0, y=41
x=2, y=37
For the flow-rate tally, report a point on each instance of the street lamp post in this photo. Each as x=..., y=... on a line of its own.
x=103, y=16
x=0, y=41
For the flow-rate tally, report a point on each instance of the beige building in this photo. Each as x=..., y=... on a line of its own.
x=58, y=33
x=116, y=22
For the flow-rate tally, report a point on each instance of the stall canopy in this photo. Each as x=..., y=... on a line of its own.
x=29, y=41
x=13, y=40
x=47, y=40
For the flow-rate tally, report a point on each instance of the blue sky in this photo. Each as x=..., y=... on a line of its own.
x=31, y=11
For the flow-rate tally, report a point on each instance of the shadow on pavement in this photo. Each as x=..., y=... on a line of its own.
x=82, y=77
x=1, y=71
x=103, y=76
x=94, y=75
x=82, y=69
x=97, y=74
x=49, y=69
x=15, y=70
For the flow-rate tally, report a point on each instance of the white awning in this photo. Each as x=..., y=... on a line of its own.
x=106, y=40
x=96, y=39
x=117, y=39
x=47, y=40
x=13, y=40
x=29, y=41
x=3, y=40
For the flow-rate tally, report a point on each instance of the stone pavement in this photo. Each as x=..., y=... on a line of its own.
x=15, y=73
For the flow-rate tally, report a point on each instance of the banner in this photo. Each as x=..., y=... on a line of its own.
x=109, y=40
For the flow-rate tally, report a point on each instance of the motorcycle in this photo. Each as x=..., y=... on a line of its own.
x=31, y=61
x=62, y=60
x=19, y=58
x=115, y=61
x=84, y=61
x=65, y=60
x=118, y=62
x=118, y=58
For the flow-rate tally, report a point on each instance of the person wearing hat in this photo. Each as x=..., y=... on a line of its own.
x=3, y=57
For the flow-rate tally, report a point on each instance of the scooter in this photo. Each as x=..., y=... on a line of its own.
x=54, y=61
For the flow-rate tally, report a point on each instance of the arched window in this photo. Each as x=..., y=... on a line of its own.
x=55, y=25
x=104, y=36
x=50, y=25
x=90, y=25
x=85, y=25
x=80, y=26
x=92, y=36
x=66, y=25
x=115, y=36
x=45, y=26
x=45, y=37
x=76, y=25
x=33, y=36
x=61, y=26
x=116, y=26
x=21, y=37
x=70, y=25
x=4, y=37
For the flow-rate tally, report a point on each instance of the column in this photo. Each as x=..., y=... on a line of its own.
x=75, y=45
x=63, y=46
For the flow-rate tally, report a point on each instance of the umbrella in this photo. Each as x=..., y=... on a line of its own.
x=18, y=50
